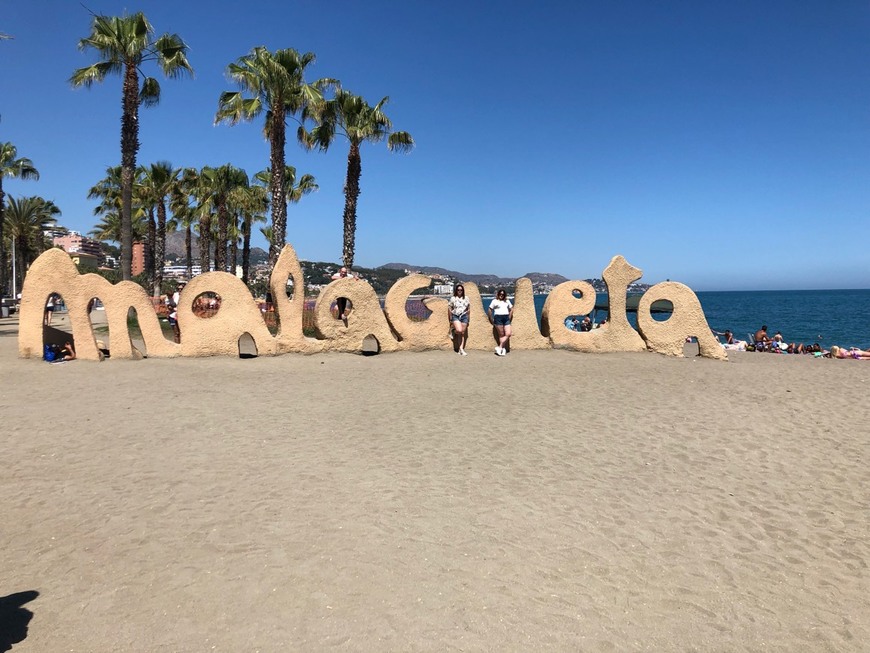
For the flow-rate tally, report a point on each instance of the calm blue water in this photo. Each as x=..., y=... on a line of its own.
x=829, y=317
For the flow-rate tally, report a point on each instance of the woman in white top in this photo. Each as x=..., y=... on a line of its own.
x=458, y=307
x=501, y=311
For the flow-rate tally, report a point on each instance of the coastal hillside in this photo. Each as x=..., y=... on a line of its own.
x=175, y=249
x=547, y=278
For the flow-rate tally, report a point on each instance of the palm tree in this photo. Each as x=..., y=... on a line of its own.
x=142, y=198
x=124, y=44
x=277, y=84
x=203, y=213
x=351, y=116
x=10, y=166
x=26, y=220
x=252, y=209
x=293, y=191
x=108, y=191
x=218, y=187
x=159, y=180
x=184, y=211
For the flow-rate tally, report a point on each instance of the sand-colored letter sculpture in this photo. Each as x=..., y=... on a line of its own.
x=238, y=317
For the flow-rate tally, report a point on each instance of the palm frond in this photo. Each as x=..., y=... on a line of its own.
x=95, y=73
x=171, y=54
x=149, y=95
x=400, y=142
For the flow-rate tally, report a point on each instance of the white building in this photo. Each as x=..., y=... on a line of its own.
x=179, y=271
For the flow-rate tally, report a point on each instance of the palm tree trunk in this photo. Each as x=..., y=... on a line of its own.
x=152, y=244
x=22, y=271
x=160, y=248
x=351, y=195
x=204, y=243
x=129, y=147
x=220, y=247
x=279, y=202
x=188, y=250
x=246, y=249
x=234, y=255
x=3, y=242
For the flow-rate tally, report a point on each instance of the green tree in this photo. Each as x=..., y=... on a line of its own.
x=158, y=182
x=276, y=81
x=108, y=191
x=293, y=191
x=251, y=207
x=13, y=167
x=26, y=221
x=124, y=44
x=219, y=186
x=351, y=116
x=184, y=211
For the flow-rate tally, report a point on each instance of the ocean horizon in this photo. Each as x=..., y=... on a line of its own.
x=829, y=317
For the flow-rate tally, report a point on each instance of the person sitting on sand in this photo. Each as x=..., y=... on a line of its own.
x=854, y=352
x=459, y=308
x=730, y=342
x=762, y=340
x=779, y=345
x=729, y=337
x=67, y=353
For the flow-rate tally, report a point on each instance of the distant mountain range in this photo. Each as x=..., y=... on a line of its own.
x=480, y=279
x=175, y=248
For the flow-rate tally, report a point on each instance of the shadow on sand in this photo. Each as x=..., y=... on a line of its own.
x=14, y=618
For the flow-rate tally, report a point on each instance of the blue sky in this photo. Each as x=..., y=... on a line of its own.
x=725, y=145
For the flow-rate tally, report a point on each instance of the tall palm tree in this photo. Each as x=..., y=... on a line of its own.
x=124, y=44
x=218, y=187
x=293, y=191
x=185, y=212
x=203, y=210
x=13, y=167
x=143, y=198
x=158, y=181
x=351, y=116
x=252, y=209
x=26, y=220
x=203, y=215
x=276, y=81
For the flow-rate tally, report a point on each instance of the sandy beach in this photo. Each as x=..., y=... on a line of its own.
x=543, y=501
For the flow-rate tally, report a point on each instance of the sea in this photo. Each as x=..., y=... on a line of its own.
x=829, y=317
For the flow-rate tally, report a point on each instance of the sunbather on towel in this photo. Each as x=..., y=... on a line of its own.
x=854, y=352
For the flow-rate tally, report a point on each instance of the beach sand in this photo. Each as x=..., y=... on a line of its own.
x=546, y=500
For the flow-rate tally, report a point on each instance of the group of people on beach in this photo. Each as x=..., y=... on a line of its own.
x=574, y=323
x=500, y=314
x=778, y=345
